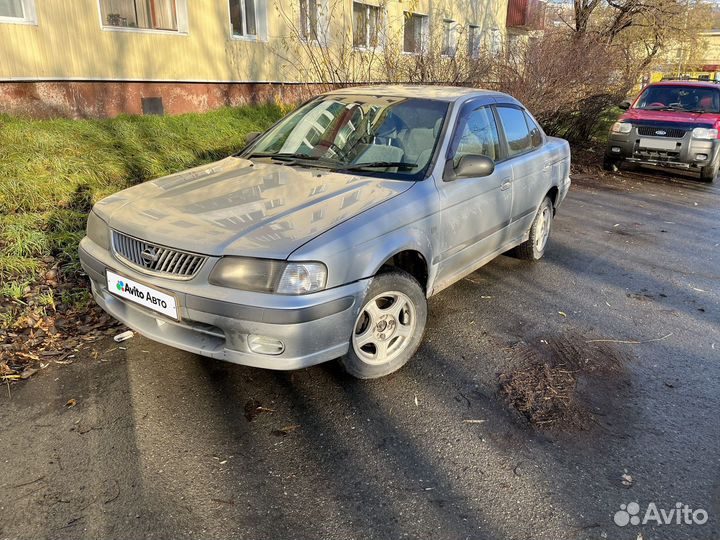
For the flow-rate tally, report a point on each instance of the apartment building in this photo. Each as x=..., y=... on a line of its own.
x=105, y=57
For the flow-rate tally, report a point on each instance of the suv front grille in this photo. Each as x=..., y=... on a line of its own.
x=673, y=133
x=154, y=259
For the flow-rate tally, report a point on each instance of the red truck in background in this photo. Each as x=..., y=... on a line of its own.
x=671, y=124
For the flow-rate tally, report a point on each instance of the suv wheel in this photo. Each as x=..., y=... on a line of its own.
x=610, y=164
x=709, y=173
x=389, y=327
x=534, y=247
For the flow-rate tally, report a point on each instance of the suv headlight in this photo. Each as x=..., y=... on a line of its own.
x=98, y=231
x=268, y=276
x=621, y=127
x=704, y=133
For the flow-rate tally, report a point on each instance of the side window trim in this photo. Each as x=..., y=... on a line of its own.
x=503, y=137
x=532, y=125
x=468, y=108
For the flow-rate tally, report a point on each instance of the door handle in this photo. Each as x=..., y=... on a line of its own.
x=506, y=184
x=547, y=165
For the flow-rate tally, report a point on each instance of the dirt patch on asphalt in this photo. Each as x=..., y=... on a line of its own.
x=548, y=389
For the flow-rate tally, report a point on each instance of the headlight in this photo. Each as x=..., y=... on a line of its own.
x=704, y=133
x=98, y=231
x=266, y=275
x=259, y=275
x=621, y=127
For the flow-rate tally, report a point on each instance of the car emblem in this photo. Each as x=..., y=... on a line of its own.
x=149, y=255
x=660, y=132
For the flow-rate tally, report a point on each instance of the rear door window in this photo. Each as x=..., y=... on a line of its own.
x=516, y=130
x=536, y=138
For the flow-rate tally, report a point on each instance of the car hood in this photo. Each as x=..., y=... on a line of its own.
x=237, y=207
x=639, y=115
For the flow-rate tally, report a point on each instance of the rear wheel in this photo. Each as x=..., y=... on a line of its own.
x=710, y=173
x=534, y=247
x=389, y=327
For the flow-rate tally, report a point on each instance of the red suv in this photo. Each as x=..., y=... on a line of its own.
x=671, y=123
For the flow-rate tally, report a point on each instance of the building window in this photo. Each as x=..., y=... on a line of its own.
x=496, y=41
x=243, y=18
x=309, y=20
x=153, y=15
x=17, y=11
x=449, y=38
x=474, y=40
x=247, y=19
x=415, y=31
x=366, y=21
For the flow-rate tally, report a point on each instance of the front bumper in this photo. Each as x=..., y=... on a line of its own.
x=216, y=322
x=681, y=152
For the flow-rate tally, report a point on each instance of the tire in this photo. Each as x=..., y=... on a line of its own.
x=533, y=248
x=611, y=164
x=709, y=173
x=380, y=327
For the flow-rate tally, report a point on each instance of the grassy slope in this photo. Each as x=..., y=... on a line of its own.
x=51, y=171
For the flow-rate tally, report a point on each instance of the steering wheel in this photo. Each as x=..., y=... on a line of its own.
x=656, y=104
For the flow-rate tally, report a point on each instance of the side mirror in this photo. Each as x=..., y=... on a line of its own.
x=250, y=137
x=625, y=105
x=469, y=166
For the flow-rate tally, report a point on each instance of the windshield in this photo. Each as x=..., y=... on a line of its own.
x=679, y=98
x=392, y=137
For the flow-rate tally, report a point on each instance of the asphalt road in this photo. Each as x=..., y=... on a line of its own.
x=159, y=446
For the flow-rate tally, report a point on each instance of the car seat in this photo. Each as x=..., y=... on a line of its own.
x=706, y=104
x=419, y=143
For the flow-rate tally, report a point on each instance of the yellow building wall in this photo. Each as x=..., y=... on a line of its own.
x=69, y=43
x=711, y=52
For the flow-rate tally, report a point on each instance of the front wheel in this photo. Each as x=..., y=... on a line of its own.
x=709, y=173
x=389, y=327
x=534, y=247
x=610, y=164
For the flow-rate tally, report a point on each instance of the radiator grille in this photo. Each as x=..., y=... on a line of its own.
x=148, y=257
x=673, y=133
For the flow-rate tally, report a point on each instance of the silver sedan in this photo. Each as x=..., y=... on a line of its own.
x=325, y=236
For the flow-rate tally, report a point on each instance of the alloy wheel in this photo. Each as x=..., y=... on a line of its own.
x=384, y=327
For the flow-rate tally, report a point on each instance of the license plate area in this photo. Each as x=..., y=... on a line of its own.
x=139, y=293
x=659, y=144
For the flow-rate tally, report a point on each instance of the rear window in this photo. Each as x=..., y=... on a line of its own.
x=679, y=98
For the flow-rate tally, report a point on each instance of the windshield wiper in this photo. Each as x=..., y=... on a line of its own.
x=296, y=159
x=378, y=165
x=283, y=156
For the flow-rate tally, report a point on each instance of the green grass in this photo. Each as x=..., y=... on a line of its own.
x=52, y=171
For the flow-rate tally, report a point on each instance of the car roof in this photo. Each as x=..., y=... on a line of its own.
x=701, y=84
x=442, y=93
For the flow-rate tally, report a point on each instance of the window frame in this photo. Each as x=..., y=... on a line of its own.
x=306, y=21
x=181, y=14
x=29, y=15
x=368, y=6
x=496, y=44
x=424, y=29
x=260, y=22
x=450, y=33
x=476, y=29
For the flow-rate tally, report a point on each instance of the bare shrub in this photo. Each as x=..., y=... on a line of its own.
x=567, y=77
x=565, y=80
